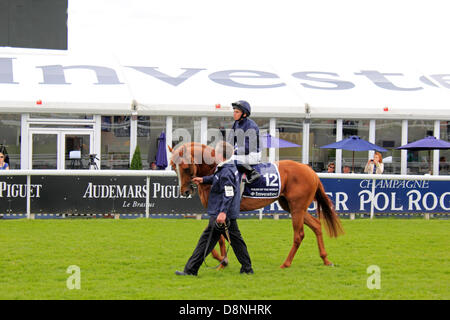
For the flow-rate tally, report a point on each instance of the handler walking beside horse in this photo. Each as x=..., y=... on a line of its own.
x=223, y=209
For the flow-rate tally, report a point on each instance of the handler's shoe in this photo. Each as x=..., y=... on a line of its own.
x=249, y=271
x=182, y=273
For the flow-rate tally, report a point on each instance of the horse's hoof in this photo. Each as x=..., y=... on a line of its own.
x=224, y=262
x=330, y=264
x=284, y=266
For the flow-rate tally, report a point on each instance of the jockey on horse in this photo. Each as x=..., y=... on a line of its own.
x=245, y=138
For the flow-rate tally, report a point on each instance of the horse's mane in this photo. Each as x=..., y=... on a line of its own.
x=205, y=165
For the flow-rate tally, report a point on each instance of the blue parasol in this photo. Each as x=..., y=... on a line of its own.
x=354, y=143
x=269, y=141
x=428, y=143
x=161, y=155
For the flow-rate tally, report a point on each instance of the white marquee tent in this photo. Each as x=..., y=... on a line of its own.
x=285, y=58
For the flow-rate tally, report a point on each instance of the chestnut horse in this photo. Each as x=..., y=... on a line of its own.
x=300, y=185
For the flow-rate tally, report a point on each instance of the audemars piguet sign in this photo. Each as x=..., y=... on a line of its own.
x=121, y=195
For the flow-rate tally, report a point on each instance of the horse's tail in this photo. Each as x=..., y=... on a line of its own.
x=325, y=210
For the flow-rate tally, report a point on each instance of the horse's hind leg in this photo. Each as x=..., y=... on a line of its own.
x=316, y=227
x=299, y=234
x=297, y=223
x=222, y=256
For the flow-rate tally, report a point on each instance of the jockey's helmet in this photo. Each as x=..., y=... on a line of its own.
x=242, y=105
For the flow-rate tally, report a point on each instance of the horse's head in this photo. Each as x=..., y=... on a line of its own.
x=181, y=162
x=188, y=161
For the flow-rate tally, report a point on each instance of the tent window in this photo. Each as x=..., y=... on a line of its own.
x=10, y=138
x=115, y=142
x=186, y=129
x=290, y=130
x=148, y=131
x=388, y=135
x=444, y=155
x=322, y=132
x=355, y=128
x=418, y=160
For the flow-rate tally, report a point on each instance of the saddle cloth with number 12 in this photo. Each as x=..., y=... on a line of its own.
x=268, y=186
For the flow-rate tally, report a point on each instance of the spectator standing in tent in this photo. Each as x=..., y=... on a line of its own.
x=375, y=165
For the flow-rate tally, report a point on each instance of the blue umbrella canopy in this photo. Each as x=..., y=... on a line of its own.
x=354, y=143
x=269, y=141
x=161, y=155
x=428, y=143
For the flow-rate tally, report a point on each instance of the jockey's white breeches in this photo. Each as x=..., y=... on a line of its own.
x=251, y=158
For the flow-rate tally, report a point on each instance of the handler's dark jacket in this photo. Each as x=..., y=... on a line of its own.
x=250, y=145
x=225, y=190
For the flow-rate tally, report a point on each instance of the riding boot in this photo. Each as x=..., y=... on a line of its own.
x=251, y=174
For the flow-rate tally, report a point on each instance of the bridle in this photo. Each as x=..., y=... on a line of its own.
x=192, y=185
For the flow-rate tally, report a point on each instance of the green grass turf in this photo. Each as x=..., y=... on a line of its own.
x=136, y=259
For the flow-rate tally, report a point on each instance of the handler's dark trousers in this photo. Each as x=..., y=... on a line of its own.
x=237, y=243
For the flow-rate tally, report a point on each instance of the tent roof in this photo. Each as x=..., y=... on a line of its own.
x=72, y=83
x=176, y=58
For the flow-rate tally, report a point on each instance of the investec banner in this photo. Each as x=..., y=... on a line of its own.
x=124, y=195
